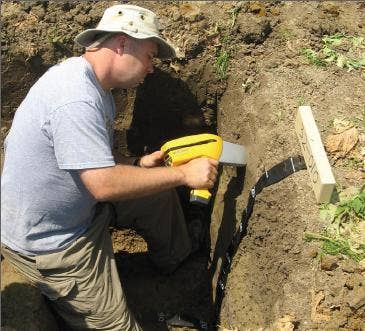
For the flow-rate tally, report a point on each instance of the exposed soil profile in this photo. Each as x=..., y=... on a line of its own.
x=244, y=69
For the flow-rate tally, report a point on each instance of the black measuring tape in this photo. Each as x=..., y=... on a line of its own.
x=269, y=177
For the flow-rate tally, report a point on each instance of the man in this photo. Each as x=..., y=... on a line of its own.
x=59, y=173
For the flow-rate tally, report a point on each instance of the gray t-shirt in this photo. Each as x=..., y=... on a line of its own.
x=64, y=124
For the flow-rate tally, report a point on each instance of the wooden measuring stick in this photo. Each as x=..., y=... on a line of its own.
x=319, y=169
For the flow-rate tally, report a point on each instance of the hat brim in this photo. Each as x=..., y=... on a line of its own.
x=165, y=50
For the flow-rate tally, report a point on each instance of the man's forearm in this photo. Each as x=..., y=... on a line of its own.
x=126, y=182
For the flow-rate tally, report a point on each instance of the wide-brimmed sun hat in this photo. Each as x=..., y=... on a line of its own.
x=135, y=21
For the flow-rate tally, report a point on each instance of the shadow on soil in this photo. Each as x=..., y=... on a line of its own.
x=164, y=109
x=189, y=290
x=23, y=306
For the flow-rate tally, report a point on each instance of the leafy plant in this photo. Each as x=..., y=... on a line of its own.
x=343, y=50
x=313, y=57
x=353, y=163
x=337, y=246
x=344, y=233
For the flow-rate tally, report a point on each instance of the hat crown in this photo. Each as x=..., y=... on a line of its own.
x=130, y=18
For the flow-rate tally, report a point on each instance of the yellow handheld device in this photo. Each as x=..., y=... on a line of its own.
x=182, y=150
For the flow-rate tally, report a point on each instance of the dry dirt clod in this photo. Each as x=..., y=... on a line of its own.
x=285, y=323
x=355, y=280
x=331, y=9
x=362, y=265
x=312, y=252
x=349, y=266
x=356, y=298
x=329, y=262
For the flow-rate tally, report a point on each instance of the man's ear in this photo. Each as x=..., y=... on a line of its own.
x=120, y=44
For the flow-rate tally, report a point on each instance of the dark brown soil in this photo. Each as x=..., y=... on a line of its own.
x=276, y=282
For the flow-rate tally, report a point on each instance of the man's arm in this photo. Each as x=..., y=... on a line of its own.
x=126, y=182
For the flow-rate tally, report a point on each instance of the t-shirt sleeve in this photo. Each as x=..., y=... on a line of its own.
x=80, y=137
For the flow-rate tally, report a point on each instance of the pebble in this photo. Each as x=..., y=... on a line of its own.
x=329, y=262
x=39, y=12
x=349, y=266
x=362, y=265
x=355, y=280
x=356, y=298
x=312, y=252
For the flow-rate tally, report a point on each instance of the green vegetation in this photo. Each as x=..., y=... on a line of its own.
x=345, y=51
x=313, y=57
x=222, y=63
x=345, y=232
x=301, y=101
x=57, y=38
x=359, y=121
x=286, y=34
x=223, y=54
x=234, y=12
x=353, y=163
x=279, y=115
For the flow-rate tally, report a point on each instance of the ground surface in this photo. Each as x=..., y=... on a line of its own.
x=278, y=280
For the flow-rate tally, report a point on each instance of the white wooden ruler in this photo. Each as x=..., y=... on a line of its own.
x=315, y=156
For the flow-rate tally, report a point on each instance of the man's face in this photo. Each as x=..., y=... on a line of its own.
x=136, y=62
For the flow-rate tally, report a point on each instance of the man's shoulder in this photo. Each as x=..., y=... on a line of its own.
x=70, y=81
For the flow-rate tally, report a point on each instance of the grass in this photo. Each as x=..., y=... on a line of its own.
x=234, y=13
x=344, y=232
x=286, y=34
x=353, y=163
x=301, y=101
x=359, y=121
x=345, y=51
x=223, y=55
x=221, y=63
x=313, y=58
x=279, y=115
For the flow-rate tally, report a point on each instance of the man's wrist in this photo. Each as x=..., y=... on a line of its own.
x=180, y=175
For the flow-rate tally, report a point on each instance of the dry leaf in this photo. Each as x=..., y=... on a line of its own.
x=343, y=142
x=341, y=125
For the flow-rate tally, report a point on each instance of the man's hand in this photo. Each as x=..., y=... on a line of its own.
x=200, y=172
x=152, y=160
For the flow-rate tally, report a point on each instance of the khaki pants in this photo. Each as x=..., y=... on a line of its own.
x=82, y=281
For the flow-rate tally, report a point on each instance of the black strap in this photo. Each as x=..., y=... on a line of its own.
x=270, y=177
x=178, y=320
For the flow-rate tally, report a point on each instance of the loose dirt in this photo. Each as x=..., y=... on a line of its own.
x=278, y=280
